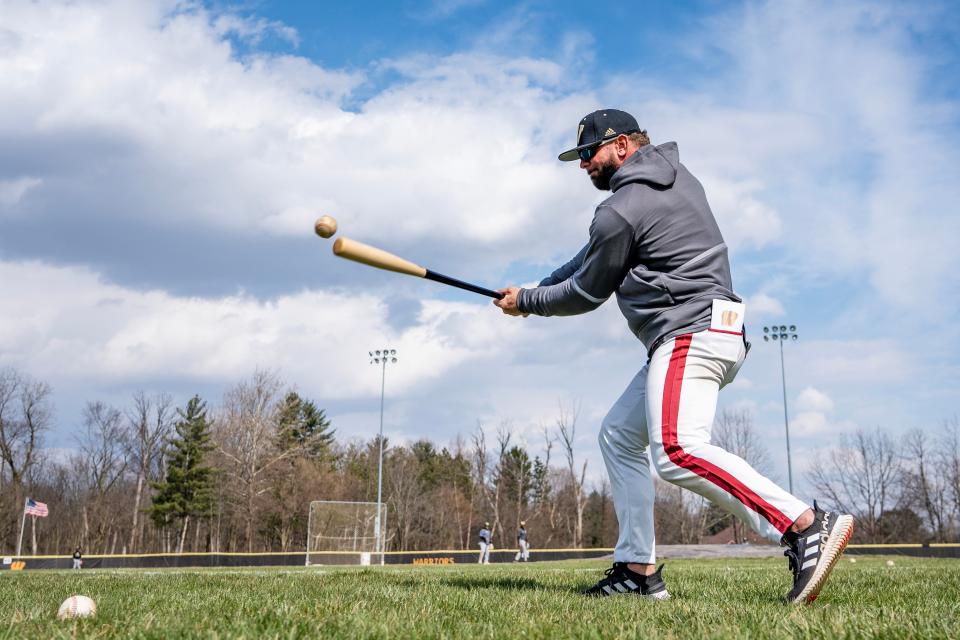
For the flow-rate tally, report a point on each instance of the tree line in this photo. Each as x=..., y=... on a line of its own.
x=239, y=476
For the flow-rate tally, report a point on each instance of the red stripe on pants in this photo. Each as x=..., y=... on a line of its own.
x=699, y=466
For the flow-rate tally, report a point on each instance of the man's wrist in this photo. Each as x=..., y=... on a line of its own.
x=520, y=301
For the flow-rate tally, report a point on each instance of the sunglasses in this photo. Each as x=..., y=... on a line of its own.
x=587, y=154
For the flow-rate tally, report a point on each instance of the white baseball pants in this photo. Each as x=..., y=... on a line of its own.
x=524, y=551
x=484, y=552
x=668, y=409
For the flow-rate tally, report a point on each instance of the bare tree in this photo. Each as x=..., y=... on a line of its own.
x=148, y=424
x=481, y=489
x=25, y=414
x=949, y=463
x=863, y=476
x=679, y=514
x=245, y=434
x=926, y=484
x=102, y=465
x=404, y=494
x=567, y=425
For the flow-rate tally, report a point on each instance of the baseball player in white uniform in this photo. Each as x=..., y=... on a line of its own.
x=523, y=546
x=486, y=544
x=656, y=245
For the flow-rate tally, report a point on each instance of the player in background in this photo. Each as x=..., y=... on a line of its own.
x=656, y=245
x=523, y=545
x=77, y=558
x=486, y=540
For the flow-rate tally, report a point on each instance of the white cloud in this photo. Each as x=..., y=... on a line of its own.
x=857, y=197
x=761, y=305
x=809, y=423
x=749, y=221
x=811, y=399
x=813, y=414
x=459, y=151
x=741, y=383
x=265, y=143
x=12, y=191
x=72, y=325
x=856, y=362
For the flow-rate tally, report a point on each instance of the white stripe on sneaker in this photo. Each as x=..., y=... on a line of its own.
x=607, y=589
x=812, y=562
x=813, y=538
x=811, y=550
x=631, y=584
x=619, y=587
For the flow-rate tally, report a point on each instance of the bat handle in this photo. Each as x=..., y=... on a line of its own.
x=460, y=284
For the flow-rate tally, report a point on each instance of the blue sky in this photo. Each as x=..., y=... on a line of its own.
x=161, y=164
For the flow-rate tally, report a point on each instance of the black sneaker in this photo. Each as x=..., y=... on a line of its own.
x=814, y=551
x=620, y=579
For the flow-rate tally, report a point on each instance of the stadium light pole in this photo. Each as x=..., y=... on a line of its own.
x=381, y=357
x=781, y=333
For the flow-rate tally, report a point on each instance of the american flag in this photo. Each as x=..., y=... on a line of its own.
x=34, y=508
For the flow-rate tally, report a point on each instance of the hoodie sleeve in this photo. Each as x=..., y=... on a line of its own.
x=605, y=260
x=566, y=270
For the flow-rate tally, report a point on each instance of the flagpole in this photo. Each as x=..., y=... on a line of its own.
x=23, y=521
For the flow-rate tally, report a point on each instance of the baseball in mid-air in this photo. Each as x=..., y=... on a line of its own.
x=77, y=607
x=325, y=226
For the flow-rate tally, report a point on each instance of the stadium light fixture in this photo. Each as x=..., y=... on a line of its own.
x=781, y=334
x=381, y=357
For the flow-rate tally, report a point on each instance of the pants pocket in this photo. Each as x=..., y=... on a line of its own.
x=734, y=369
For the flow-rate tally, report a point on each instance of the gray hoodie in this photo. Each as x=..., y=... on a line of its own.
x=655, y=243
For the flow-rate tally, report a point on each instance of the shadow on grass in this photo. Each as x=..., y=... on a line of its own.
x=503, y=583
x=498, y=583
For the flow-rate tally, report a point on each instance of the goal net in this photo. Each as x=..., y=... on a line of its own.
x=345, y=532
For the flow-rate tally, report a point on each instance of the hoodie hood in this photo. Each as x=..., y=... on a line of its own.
x=656, y=166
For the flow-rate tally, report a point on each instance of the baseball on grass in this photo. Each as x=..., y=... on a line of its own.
x=325, y=226
x=77, y=607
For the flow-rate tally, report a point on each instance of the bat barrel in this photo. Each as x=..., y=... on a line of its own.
x=374, y=257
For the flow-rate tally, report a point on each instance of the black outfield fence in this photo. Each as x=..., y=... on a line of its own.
x=944, y=550
x=299, y=559
x=323, y=558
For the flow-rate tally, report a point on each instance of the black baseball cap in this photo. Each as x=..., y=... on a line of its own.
x=598, y=126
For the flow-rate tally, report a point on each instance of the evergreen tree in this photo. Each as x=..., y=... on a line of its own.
x=187, y=491
x=516, y=475
x=541, y=481
x=301, y=424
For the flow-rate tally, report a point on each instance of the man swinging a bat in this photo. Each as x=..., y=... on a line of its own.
x=656, y=245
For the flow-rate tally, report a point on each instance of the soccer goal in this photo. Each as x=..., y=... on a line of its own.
x=345, y=530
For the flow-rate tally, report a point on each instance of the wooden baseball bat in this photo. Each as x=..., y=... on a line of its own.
x=365, y=254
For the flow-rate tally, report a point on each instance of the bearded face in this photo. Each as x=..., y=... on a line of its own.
x=603, y=173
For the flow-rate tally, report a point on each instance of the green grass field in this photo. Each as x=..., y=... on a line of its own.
x=916, y=598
